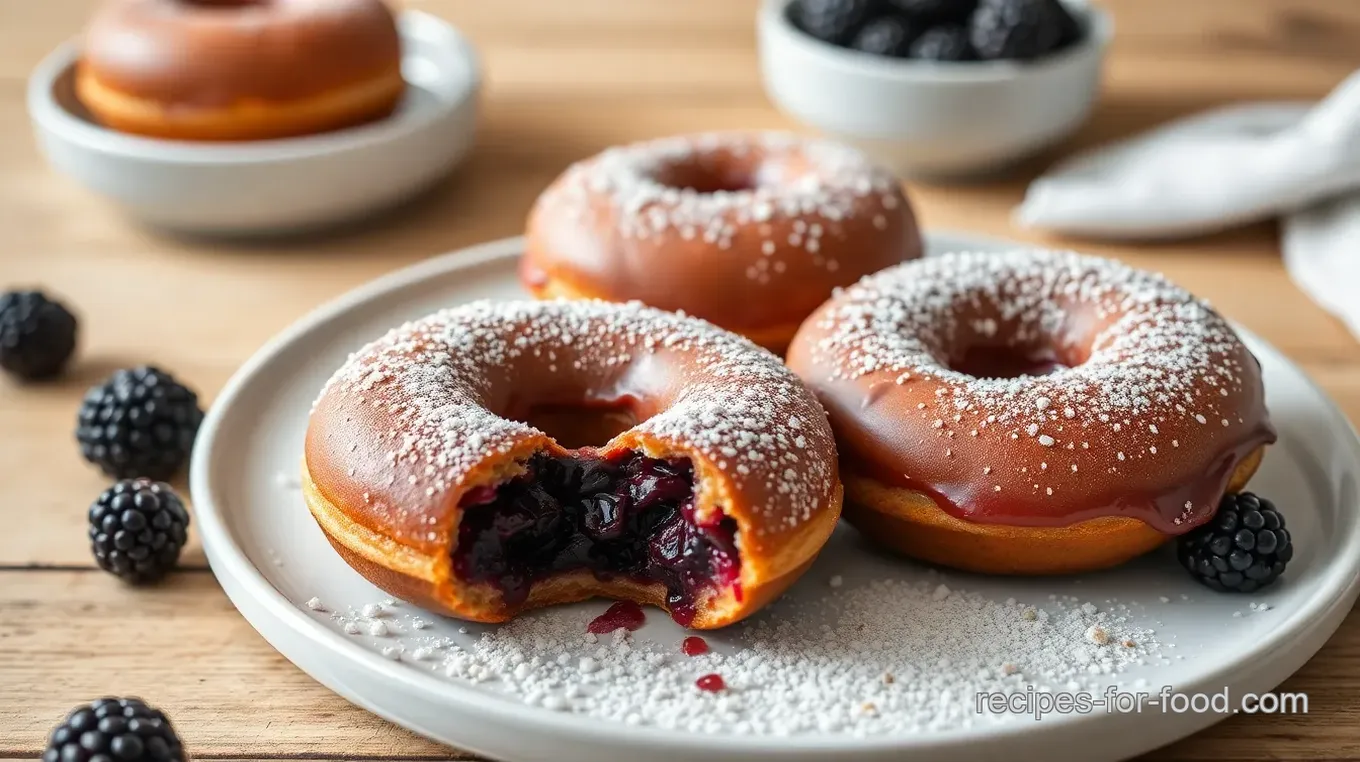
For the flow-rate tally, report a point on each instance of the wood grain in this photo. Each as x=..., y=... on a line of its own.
x=564, y=81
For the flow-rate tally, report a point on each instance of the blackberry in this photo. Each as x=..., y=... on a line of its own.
x=943, y=43
x=833, y=21
x=112, y=729
x=1017, y=29
x=1070, y=29
x=885, y=36
x=37, y=335
x=140, y=422
x=137, y=530
x=1244, y=548
x=935, y=10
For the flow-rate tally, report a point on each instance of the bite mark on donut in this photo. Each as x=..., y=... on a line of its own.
x=625, y=515
x=423, y=427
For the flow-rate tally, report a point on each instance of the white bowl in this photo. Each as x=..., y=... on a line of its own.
x=272, y=186
x=933, y=119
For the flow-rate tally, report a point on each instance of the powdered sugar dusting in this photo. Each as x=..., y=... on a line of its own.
x=737, y=405
x=1164, y=365
x=813, y=188
x=852, y=662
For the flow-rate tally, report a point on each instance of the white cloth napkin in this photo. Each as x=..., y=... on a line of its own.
x=1223, y=168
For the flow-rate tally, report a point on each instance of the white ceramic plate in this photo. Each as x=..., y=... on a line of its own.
x=272, y=186
x=271, y=559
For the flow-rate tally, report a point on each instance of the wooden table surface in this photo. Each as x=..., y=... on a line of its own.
x=565, y=79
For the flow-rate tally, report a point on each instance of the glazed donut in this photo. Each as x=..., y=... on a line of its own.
x=1031, y=412
x=750, y=231
x=239, y=69
x=427, y=468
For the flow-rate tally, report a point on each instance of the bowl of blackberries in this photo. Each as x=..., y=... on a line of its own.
x=936, y=88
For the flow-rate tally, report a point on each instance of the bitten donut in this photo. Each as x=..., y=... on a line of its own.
x=1031, y=412
x=429, y=467
x=750, y=231
x=239, y=69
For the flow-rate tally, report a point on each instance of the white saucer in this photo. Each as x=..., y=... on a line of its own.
x=271, y=559
x=272, y=186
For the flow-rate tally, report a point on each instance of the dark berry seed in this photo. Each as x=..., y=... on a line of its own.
x=1221, y=545
x=157, y=748
x=133, y=521
x=93, y=740
x=1244, y=548
x=82, y=720
x=127, y=747
x=1227, y=522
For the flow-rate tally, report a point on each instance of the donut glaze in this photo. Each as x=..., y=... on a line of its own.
x=750, y=231
x=1035, y=389
x=417, y=431
x=239, y=69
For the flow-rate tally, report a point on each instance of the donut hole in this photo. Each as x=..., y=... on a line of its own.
x=983, y=361
x=711, y=176
x=628, y=515
x=577, y=426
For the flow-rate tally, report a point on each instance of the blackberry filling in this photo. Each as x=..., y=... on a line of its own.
x=628, y=515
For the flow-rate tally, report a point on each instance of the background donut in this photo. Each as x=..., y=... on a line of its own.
x=750, y=231
x=239, y=69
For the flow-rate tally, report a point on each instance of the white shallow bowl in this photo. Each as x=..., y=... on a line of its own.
x=927, y=119
x=271, y=558
x=272, y=186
